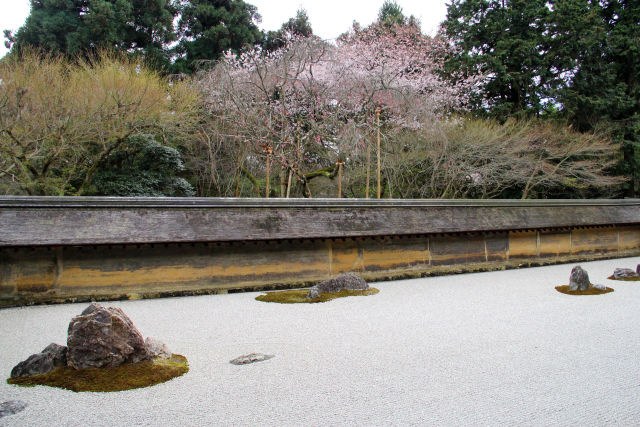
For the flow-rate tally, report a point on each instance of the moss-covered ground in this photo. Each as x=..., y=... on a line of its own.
x=591, y=291
x=124, y=377
x=626, y=279
x=298, y=296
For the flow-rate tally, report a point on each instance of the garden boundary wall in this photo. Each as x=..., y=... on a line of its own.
x=58, y=249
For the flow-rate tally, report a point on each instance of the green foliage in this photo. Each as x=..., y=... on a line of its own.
x=59, y=121
x=294, y=27
x=208, y=28
x=81, y=27
x=52, y=25
x=120, y=378
x=390, y=14
x=574, y=59
x=142, y=167
x=505, y=40
x=605, y=83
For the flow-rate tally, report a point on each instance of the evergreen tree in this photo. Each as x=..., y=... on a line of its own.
x=298, y=26
x=391, y=14
x=80, y=27
x=603, y=72
x=53, y=25
x=505, y=40
x=574, y=59
x=208, y=28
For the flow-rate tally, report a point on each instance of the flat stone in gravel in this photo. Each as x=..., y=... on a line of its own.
x=251, y=358
x=11, y=407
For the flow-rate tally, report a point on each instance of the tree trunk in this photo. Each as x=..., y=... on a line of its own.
x=340, y=180
x=289, y=182
x=266, y=193
x=378, y=150
x=368, y=169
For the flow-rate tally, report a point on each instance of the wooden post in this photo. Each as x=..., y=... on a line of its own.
x=291, y=168
x=269, y=151
x=283, y=181
x=368, y=168
x=340, y=163
x=238, y=169
x=378, y=149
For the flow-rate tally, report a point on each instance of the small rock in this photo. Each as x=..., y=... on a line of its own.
x=103, y=337
x=313, y=293
x=156, y=348
x=579, y=279
x=621, y=273
x=342, y=281
x=251, y=358
x=600, y=286
x=53, y=356
x=11, y=407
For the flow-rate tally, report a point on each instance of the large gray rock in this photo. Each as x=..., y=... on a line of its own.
x=342, y=281
x=623, y=273
x=579, y=279
x=11, y=407
x=53, y=356
x=103, y=337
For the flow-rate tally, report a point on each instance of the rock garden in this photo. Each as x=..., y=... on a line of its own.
x=579, y=284
x=104, y=352
x=343, y=285
x=626, y=274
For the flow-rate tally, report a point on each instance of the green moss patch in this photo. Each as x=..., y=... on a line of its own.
x=591, y=291
x=298, y=296
x=625, y=279
x=124, y=377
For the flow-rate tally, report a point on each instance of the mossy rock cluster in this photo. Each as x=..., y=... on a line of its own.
x=123, y=377
x=591, y=291
x=299, y=296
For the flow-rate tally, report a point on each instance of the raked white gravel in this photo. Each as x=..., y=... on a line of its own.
x=499, y=348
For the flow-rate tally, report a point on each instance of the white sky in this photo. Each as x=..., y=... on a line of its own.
x=329, y=18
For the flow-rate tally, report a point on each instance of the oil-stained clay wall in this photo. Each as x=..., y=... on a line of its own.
x=47, y=274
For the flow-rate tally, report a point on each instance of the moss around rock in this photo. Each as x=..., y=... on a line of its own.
x=298, y=296
x=591, y=291
x=625, y=279
x=123, y=377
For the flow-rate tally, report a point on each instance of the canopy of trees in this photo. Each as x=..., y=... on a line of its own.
x=512, y=99
x=60, y=121
x=574, y=59
x=205, y=29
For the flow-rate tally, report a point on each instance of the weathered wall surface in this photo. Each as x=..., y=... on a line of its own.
x=77, y=252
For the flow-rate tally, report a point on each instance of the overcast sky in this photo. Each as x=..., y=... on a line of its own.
x=329, y=18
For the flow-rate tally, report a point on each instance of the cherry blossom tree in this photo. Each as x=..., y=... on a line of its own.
x=311, y=105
